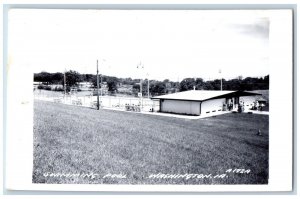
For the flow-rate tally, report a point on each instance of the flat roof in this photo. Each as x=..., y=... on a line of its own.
x=202, y=95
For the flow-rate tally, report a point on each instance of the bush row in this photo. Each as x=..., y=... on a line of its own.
x=56, y=88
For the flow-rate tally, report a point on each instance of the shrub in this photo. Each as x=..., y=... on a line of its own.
x=44, y=87
x=48, y=88
x=58, y=89
x=40, y=87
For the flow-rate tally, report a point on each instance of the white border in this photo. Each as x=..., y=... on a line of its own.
x=282, y=154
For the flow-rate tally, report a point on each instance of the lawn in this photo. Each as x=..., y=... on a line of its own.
x=70, y=141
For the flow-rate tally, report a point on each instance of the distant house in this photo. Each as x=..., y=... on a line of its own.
x=204, y=103
x=37, y=83
x=85, y=84
x=103, y=90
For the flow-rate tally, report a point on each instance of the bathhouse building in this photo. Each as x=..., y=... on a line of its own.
x=203, y=102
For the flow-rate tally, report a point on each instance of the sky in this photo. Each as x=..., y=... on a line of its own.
x=169, y=44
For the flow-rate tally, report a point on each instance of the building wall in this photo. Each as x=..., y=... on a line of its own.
x=209, y=107
x=212, y=106
x=181, y=107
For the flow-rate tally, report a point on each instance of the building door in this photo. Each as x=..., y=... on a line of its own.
x=229, y=103
x=236, y=102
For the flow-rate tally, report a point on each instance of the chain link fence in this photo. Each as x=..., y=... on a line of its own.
x=109, y=102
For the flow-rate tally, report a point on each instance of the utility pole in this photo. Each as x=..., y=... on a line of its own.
x=98, y=105
x=148, y=85
x=101, y=76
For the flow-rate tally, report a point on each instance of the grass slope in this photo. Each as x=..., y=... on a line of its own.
x=69, y=139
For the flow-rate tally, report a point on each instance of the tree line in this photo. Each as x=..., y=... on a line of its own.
x=155, y=87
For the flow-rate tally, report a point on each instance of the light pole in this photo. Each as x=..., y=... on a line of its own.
x=220, y=71
x=140, y=66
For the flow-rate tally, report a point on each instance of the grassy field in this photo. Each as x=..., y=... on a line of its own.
x=78, y=140
x=264, y=94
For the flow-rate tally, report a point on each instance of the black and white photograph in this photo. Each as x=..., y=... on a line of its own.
x=146, y=97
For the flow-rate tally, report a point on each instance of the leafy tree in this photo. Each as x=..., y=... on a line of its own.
x=137, y=87
x=127, y=81
x=57, y=78
x=266, y=82
x=112, y=83
x=234, y=84
x=187, y=84
x=94, y=81
x=158, y=88
x=43, y=77
x=155, y=87
x=199, y=84
x=208, y=85
x=87, y=77
x=72, y=78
